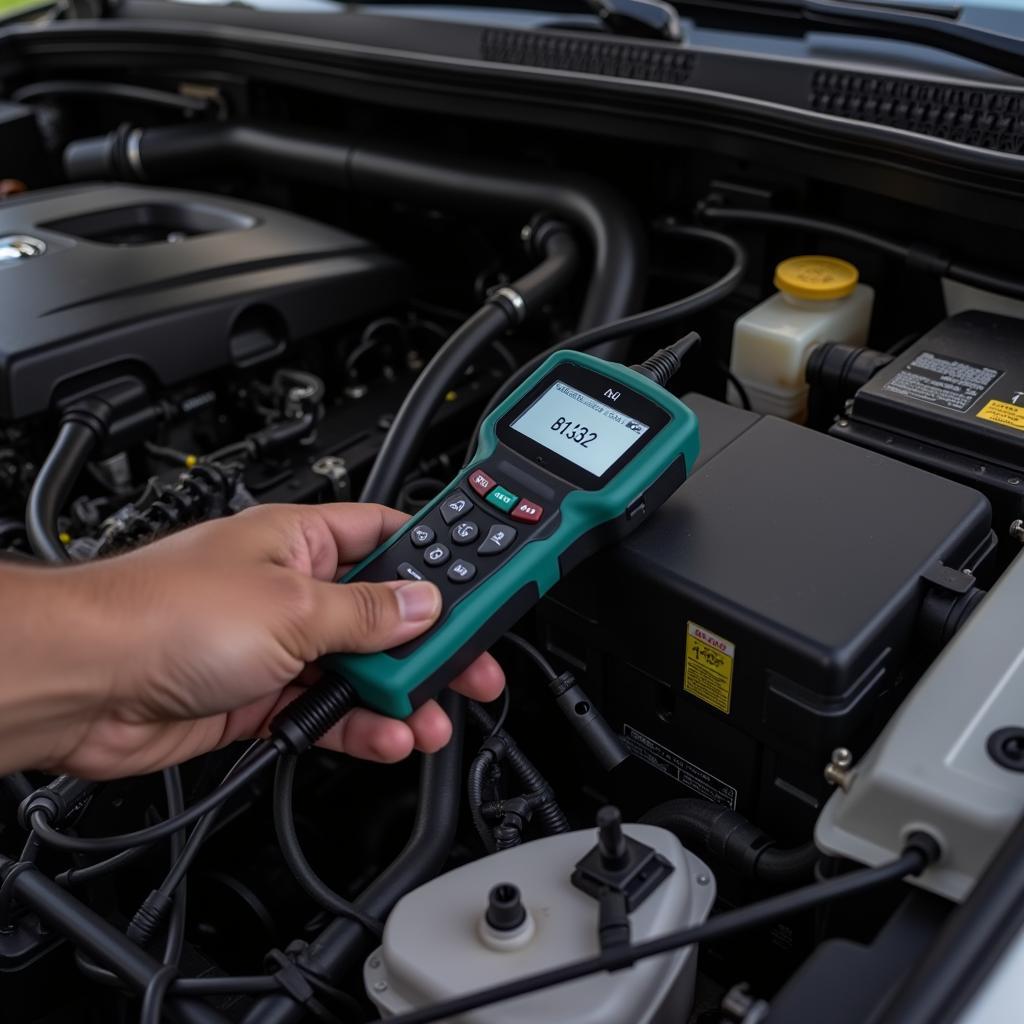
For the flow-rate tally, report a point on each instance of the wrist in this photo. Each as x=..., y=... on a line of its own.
x=55, y=681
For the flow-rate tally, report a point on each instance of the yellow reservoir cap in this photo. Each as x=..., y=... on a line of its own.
x=816, y=277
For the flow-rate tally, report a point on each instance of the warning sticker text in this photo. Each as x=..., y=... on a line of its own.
x=1004, y=413
x=708, y=673
x=952, y=383
x=669, y=763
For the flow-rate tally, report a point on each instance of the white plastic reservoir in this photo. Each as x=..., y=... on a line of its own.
x=819, y=299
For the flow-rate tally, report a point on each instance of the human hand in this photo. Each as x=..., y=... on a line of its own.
x=201, y=638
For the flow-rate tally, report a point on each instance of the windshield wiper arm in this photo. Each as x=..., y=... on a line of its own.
x=910, y=26
x=652, y=19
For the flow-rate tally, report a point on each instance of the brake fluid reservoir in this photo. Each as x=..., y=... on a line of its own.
x=447, y=938
x=819, y=299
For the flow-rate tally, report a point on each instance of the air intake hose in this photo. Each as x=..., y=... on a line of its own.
x=613, y=232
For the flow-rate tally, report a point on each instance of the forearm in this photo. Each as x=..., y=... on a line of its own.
x=55, y=637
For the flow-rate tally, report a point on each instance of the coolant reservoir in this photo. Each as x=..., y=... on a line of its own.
x=440, y=940
x=819, y=299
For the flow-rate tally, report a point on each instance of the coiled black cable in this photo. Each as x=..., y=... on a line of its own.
x=294, y=730
x=291, y=850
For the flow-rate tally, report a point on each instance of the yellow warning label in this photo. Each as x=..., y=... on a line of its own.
x=1003, y=413
x=709, y=660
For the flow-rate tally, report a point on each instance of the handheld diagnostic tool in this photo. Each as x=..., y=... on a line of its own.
x=576, y=457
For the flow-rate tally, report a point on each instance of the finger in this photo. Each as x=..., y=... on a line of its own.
x=483, y=680
x=431, y=727
x=344, y=533
x=372, y=737
x=364, y=617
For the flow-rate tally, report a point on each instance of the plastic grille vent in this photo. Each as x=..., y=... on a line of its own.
x=592, y=57
x=986, y=118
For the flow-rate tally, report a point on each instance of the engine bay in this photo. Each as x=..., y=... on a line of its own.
x=223, y=290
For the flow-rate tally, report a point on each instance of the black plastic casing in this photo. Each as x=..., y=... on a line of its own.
x=111, y=295
x=806, y=554
x=952, y=436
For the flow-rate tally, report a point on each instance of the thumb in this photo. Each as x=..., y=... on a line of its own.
x=365, y=617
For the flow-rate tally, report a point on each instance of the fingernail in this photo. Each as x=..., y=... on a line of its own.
x=418, y=602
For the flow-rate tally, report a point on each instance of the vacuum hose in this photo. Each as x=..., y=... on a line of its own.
x=75, y=443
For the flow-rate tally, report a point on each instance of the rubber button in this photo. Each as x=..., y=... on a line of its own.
x=497, y=540
x=465, y=532
x=438, y=554
x=480, y=482
x=455, y=506
x=461, y=571
x=500, y=498
x=421, y=536
x=527, y=511
x=409, y=572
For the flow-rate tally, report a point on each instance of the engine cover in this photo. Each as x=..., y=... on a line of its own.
x=99, y=280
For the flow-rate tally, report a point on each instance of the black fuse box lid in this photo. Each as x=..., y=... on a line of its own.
x=804, y=553
x=960, y=387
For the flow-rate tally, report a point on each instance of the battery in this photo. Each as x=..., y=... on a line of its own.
x=770, y=611
x=953, y=403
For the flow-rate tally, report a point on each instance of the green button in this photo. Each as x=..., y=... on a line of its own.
x=505, y=500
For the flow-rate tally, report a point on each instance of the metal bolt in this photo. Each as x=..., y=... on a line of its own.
x=842, y=423
x=967, y=572
x=739, y=1005
x=1017, y=530
x=837, y=771
x=1013, y=481
x=703, y=880
x=374, y=962
x=380, y=986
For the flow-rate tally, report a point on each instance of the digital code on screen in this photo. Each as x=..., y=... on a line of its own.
x=579, y=428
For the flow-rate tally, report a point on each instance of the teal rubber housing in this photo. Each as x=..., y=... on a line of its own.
x=385, y=683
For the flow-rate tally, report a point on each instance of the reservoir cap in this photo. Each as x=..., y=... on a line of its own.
x=816, y=277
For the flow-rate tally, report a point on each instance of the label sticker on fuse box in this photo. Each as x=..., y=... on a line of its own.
x=708, y=673
x=686, y=773
x=952, y=383
x=1004, y=413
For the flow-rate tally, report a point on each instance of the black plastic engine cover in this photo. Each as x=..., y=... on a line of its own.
x=168, y=284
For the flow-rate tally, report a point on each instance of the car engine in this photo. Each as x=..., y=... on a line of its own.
x=224, y=286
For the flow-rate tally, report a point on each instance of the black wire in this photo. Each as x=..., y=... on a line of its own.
x=768, y=911
x=247, y=985
x=648, y=320
x=76, y=876
x=499, y=723
x=291, y=850
x=532, y=652
x=741, y=391
x=153, y=999
x=180, y=866
x=914, y=257
x=264, y=756
x=175, y=938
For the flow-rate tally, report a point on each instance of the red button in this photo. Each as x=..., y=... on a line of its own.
x=480, y=482
x=527, y=511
